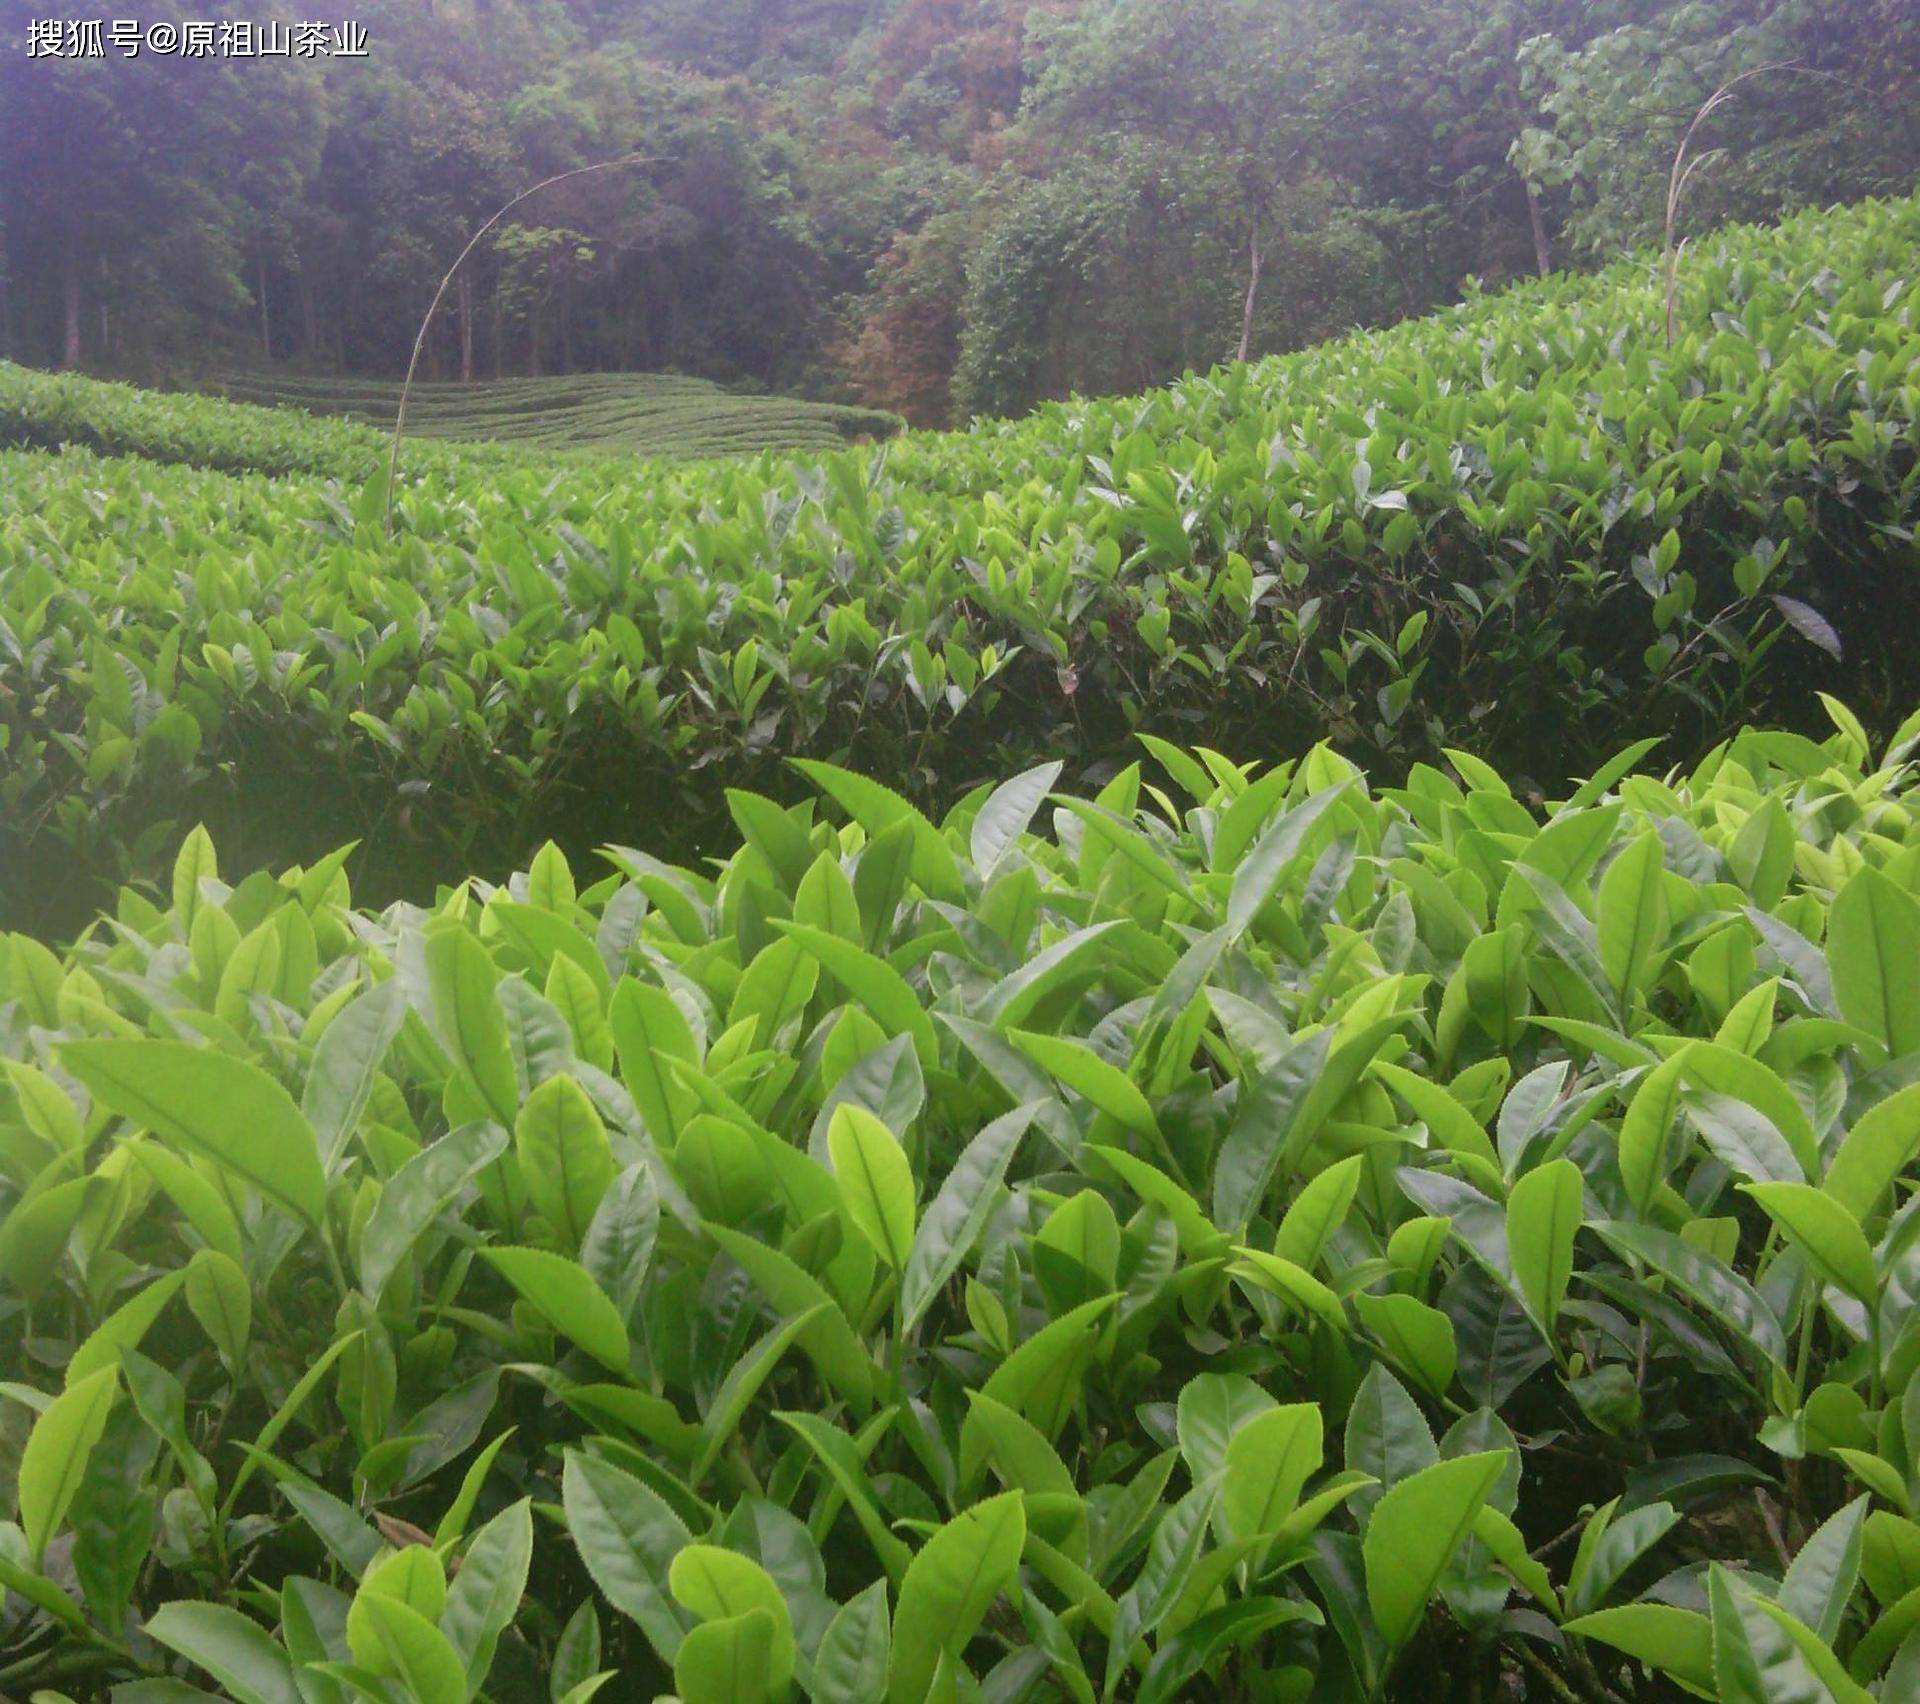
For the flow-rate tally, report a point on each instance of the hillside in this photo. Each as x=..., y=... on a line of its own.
x=342, y=430
x=646, y=414
x=1510, y=523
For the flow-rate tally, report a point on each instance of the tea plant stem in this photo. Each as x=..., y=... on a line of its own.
x=1555, y=1681
x=1873, y=1348
x=1804, y=1355
x=1591, y=1676
x=335, y=1270
x=1560, y=1538
x=1772, y=1524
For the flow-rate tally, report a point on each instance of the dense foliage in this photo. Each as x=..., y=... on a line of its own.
x=1519, y=526
x=930, y=205
x=1253, y=1235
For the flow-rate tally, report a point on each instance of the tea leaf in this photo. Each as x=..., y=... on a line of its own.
x=567, y=1298
x=875, y=1182
x=1412, y=1535
x=213, y=1104
x=55, y=1458
x=949, y=1586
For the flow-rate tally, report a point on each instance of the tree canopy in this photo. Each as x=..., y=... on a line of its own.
x=936, y=206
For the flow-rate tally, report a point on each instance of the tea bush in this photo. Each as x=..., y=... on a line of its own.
x=1520, y=525
x=1244, y=1233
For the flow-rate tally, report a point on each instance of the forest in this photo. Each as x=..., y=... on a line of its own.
x=983, y=851
x=938, y=208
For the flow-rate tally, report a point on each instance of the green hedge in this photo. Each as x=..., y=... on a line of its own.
x=1241, y=1234
x=1521, y=525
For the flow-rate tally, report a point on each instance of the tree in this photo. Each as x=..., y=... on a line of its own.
x=895, y=198
x=1233, y=85
x=1832, y=114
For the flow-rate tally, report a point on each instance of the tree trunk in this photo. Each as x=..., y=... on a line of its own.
x=1253, y=295
x=533, y=341
x=266, y=322
x=466, y=330
x=70, y=354
x=1541, y=257
x=303, y=298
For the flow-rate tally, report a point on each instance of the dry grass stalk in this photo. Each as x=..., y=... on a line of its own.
x=433, y=307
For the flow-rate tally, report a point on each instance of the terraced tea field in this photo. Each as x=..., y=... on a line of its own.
x=646, y=414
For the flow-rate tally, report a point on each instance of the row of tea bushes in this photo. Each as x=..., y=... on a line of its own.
x=275, y=423
x=53, y=411
x=1244, y=1233
x=646, y=414
x=1517, y=525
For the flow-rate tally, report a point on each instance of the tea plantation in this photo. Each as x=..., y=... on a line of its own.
x=277, y=423
x=1259, y=1042
x=1525, y=526
x=648, y=414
